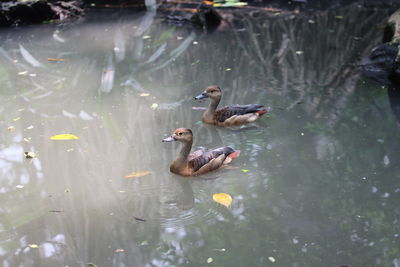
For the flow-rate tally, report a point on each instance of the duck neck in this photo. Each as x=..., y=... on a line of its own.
x=185, y=151
x=211, y=108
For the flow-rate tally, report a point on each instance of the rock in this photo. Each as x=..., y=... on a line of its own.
x=19, y=13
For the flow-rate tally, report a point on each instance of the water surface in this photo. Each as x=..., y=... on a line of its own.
x=317, y=182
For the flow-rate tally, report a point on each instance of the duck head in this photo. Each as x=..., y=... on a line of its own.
x=183, y=135
x=213, y=92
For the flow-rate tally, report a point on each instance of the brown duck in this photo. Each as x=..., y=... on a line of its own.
x=229, y=115
x=200, y=161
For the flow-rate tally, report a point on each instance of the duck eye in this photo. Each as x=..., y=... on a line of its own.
x=212, y=91
x=180, y=133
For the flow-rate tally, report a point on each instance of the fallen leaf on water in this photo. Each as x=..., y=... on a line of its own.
x=64, y=137
x=223, y=199
x=23, y=72
x=338, y=17
x=56, y=59
x=146, y=37
x=29, y=127
x=137, y=174
x=19, y=186
x=11, y=129
x=33, y=246
x=28, y=140
x=16, y=119
x=228, y=69
x=271, y=259
x=209, y=260
x=245, y=170
x=144, y=94
x=299, y=52
x=154, y=106
x=91, y=264
x=66, y=190
x=119, y=250
x=122, y=191
x=30, y=154
x=144, y=243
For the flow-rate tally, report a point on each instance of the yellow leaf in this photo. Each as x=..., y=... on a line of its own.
x=144, y=94
x=154, y=106
x=245, y=170
x=137, y=174
x=223, y=199
x=16, y=119
x=55, y=59
x=11, y=129
x=64, y=137
x=33, y=246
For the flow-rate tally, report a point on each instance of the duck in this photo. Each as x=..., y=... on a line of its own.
x=201, y=161
x=229, y=115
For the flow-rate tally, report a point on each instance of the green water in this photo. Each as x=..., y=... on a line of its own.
x=323, y=180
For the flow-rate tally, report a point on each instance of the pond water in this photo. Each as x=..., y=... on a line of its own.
x=317, y=182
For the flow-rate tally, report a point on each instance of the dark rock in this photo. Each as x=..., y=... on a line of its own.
x=381, y=64
x=19, y=13
x=206, y=17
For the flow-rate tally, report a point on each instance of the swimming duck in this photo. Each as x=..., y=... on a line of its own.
x=200, y=161
x=229, y=115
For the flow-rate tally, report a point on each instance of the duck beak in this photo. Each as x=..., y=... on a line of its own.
x=201, y=96
x=169, y=139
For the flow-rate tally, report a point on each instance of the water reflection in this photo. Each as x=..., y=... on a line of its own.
x=317, y=182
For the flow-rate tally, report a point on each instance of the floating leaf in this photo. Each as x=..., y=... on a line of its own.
x=228, y=69
x=154, y=106
x=119, y=250
x=299, y=52
x=137, y=174
x=245, y=170
x=67, y=190
x=338, y=17
x=144, y=94
x=33, y=246
x=16, y=119
x=28, y=140
x=30, y=154
x=23, y=72
x=271, y=259
x=223, y=199
x=64, y=137
x=56, y=59
x=91, y=264
x=209, y=260
x=19, y=186
x=29, y=127
x=11, y=129
x=146, y=37
x=144, y=243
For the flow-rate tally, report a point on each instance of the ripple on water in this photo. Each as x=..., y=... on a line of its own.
x=169, y=207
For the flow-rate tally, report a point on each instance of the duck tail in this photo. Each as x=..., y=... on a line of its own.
x=234, y=154
x=263, y=111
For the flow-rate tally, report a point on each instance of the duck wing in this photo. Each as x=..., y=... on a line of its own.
x=203, y=157
x=225, y=113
